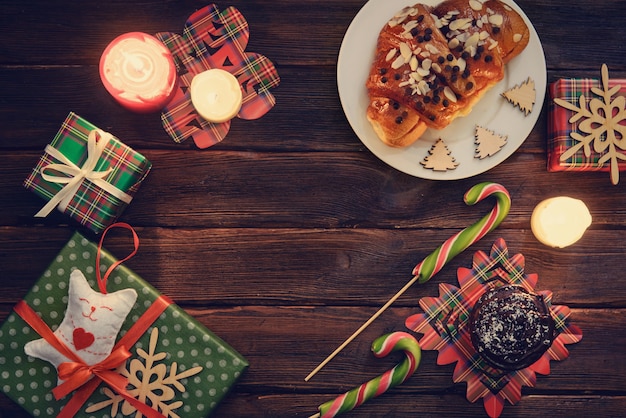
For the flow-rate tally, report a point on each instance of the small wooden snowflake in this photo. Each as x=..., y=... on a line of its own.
x=150, y=380
x=603, y=125
x=522, y=96
x=439, y=158
x=488, y=142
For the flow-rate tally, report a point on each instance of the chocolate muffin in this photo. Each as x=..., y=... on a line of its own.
x=511, y=328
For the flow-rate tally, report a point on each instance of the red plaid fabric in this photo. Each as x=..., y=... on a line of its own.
x=91, y=206
x=214, y=39
x=560, y=127
x=444, y=328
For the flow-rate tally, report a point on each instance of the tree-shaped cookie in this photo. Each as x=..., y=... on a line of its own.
x=439, y=158
x=488, y=142
x=522, y=95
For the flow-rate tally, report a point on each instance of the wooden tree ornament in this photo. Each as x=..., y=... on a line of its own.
x=488, y=142
x=523, y=96
x=439, y=158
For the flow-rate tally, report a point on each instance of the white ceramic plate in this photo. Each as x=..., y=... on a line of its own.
x=492, y=112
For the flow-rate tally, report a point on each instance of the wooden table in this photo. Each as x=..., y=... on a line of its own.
x=289, y=234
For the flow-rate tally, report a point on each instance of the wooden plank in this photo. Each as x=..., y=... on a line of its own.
x=283, y=343
x=354, y=190
x=394, y=403
x=290, y=33
x=336, y=266
x=421, y=404
x=229, y=267
x=297, y=339
x=300, y=121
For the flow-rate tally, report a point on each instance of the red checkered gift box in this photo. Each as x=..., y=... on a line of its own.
x=88, y=174
x=570, y=147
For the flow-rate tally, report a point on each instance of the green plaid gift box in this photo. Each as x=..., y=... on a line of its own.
x=178, y=366
x=560, y=128
x=87, y=174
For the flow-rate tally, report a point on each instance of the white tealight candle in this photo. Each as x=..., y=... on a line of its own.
x=216, y=95
x=560, y=221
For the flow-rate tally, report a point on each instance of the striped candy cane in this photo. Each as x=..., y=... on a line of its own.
x=381, y=347
x=453, y=246
x=456, y=244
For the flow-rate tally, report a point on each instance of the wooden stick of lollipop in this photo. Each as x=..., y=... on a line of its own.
x=453, y=246
x=381, y=347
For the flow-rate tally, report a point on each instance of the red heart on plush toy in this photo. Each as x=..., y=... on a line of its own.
x=82, y=338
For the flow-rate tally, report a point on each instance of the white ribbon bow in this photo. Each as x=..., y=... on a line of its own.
x=96, y=143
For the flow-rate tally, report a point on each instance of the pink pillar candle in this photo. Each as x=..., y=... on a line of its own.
x=139, y=72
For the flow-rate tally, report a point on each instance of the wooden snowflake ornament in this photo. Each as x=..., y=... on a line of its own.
x=602, y=125
x=439, y=158
x=523, y=96
x=488, y=142
x=151, y=380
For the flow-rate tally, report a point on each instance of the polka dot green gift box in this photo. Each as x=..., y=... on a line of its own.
x=118, y=328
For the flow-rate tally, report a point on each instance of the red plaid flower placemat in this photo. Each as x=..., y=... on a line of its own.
x=214, y=39
x=444, y=325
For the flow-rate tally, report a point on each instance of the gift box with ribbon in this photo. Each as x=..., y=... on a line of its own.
x=88, y=174
x=92, y=338
x=586, y=124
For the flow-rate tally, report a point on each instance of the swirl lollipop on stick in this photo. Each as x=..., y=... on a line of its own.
x=453, y=246
x=381, y=347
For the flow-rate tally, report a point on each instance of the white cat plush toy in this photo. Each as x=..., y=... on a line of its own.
x=91, y=323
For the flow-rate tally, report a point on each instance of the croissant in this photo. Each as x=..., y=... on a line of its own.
x=433, y=64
